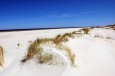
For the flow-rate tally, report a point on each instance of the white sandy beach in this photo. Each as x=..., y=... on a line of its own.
x=95, y=56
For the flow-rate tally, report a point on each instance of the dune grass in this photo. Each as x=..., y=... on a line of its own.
x=1, y=56
x=64, y=37
x=85, y=30
x=36, y=51
x=69, y=54
x=45, y=57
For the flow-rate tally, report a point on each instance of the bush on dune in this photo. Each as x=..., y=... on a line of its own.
x=36, y=51
x=64, y=37
x=1, y=56
x=85, y=30
x=59, y=39
x=70, y=55
x=45, y=57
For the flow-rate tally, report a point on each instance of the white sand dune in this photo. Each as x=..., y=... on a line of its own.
x=95, y=56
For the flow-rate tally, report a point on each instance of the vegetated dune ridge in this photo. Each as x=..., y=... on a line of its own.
x=94, y=53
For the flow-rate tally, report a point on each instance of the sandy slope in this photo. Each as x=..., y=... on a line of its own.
x=94, y=56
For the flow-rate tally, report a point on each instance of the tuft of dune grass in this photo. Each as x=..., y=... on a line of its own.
x=64, y=37
x=85, y=30
x=70, y=55
x=59, y=39
x=1, y=56
x=36, y=51
x=45, y=57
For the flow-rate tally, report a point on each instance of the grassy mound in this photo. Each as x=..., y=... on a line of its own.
x=85, y=30
x=36, y=51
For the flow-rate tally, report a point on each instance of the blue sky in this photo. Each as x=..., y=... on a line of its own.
x=16, y=14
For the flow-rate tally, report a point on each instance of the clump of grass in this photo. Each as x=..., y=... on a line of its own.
x=69, y=35
x=64, y=37
x=58, y=39
x=69, y=53
x=74, y=32
x=18, y=44
x=102, y=36
x=1, y=56
x=29, y=41
x=85, y=30
x=36, y=51
x=45, y=57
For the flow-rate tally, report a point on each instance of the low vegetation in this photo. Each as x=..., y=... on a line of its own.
x=36, y=51
x=18, y=44
x=1, y=56
x=64, y=37
x=68, y=52
x=29, y=41
x=110, y=26
x=104, y=37
x=85, y=30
